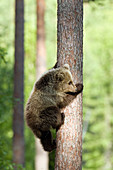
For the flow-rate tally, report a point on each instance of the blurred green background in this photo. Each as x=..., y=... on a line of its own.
x=98, y=79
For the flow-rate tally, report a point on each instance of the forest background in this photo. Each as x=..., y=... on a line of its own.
x=98, y=79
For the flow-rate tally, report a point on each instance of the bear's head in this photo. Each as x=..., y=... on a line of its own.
x=58, y=80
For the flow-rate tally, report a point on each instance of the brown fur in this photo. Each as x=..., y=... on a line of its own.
x=52, y=92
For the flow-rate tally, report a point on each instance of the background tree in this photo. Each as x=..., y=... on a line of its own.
x=70, y=50
x=18, y=116
x=41, y=158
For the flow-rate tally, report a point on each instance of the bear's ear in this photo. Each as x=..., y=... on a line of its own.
x=60, y=76
x=66, y=66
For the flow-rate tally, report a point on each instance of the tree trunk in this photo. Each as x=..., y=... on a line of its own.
x=41, y=158
x=18, y=116
x=70, y=50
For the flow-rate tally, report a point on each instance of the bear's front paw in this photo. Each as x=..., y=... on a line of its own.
x=79, y=88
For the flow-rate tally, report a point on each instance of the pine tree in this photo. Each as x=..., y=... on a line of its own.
x=69, y=50
x=18, y=116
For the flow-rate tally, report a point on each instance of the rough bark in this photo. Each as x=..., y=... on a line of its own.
x=18, y=116
x=41, y=158
x=70, y=50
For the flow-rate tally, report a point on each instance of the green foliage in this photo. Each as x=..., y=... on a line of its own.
x=6, y=86
x=51, y=32
x=2, y=54
x=98, y=91
x=5, y=114
x=5, y=163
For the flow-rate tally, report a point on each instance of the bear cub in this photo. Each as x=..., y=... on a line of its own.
x=52, y=92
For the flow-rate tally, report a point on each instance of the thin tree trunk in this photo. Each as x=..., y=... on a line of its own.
x=18, y=116
x=70, y=50
x=41, y=158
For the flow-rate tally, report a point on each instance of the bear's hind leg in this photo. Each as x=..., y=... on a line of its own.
x=47, y=141
x=51, y=116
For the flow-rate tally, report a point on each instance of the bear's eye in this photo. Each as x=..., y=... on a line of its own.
x=70, y=82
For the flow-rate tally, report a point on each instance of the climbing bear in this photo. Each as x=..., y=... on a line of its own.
x=52, y=92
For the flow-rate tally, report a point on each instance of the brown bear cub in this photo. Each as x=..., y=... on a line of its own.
x=52, y=92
